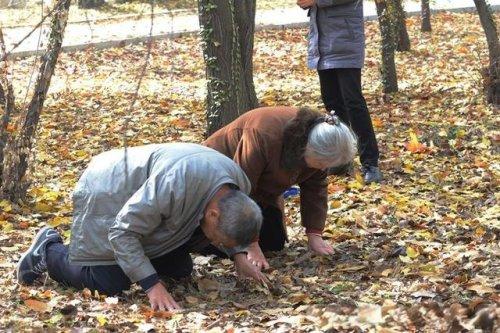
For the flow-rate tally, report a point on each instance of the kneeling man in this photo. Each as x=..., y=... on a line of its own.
x=139, y=212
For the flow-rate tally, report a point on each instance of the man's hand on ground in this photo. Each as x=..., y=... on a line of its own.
x=160, y=299
x=306, y=3
x=256, y=257
x=244, y=268
x=318, y=245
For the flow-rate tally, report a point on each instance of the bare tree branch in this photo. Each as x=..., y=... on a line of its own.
x=136, y=92
x=39, y=24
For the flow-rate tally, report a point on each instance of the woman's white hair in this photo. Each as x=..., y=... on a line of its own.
x=335, y=144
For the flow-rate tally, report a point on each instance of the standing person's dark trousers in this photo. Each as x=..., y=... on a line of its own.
x=341, y=92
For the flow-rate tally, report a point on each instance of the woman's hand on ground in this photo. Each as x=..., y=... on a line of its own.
x=244, y=268
x=160, y=299
x=256, y=257
x=318, y=245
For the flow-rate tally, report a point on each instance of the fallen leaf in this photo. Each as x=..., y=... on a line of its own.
x=481, y=289
x=370, y=313
x=111, y=300
x=37, y=305
x=208, y=285
x=414, y=145
x=412, y=252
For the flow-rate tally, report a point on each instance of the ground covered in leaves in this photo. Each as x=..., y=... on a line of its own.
x=417, y=253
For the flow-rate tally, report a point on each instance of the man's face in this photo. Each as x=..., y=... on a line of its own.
x=220, y=239
x=210, y=227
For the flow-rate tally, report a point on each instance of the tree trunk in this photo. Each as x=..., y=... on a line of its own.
x=400, y=21
x=389, y=75
x=426, y=17
x=492, y=74
x=6, y=102
x=90, y=4
x=17, y=151
x=227, y=32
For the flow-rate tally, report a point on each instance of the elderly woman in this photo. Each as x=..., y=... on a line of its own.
x=278, y=147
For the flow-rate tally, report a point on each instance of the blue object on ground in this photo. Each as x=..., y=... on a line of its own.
x=291, y=192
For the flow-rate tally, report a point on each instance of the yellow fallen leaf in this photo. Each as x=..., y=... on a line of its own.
x=411, y=252
x=101, y=319
x=335, y=204
x=414, y=145
x=377, y=122
x=42, y=207
x=58, y=220
x=357, y=183
x=359, y=178
x=5, y=206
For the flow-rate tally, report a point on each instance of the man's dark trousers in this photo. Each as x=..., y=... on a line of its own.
x=341, y=92
x=110, y=279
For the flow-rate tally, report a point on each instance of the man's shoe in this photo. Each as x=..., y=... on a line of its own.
x=341, y=170
x=33, y=262
x=371, y=174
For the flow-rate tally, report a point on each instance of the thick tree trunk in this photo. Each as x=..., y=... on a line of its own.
x=6, y=103
x=426, y=17
x=245, y=20
x=492, y=74
x=400, y=20
x=227, y=34
x=18, y=151
x=388, y=70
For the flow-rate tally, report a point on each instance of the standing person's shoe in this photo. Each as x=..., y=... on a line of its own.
x=341, y=170
x=371, y=174
x=33, y=262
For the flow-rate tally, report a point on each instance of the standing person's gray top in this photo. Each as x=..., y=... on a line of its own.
x=128, y=216
x=336, y=34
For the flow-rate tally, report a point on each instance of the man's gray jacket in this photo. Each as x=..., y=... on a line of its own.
x=336, y=34
x=141, y=203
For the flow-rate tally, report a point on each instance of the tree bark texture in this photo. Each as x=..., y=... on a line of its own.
x=7, y=103
x=18, y=150
x=404, y=43
x=227, y=32
x=492, y=73
x=426, y=17
x=388, y=70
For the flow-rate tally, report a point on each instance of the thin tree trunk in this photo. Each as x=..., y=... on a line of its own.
x=389, y=75
x=400, y=20
x=492, y=75
x=227, y=34
x=18, y=150
x=6, y=102
x=426, y=17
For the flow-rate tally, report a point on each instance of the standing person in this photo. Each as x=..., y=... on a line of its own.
x=278, y=147
x=337, y=50
x=139, y=212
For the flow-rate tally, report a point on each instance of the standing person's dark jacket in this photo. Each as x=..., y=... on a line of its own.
x=271, y=158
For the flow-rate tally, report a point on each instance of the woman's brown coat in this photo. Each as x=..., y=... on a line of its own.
x=268, y=144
